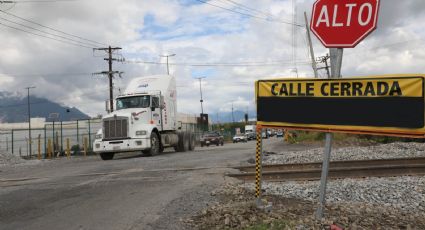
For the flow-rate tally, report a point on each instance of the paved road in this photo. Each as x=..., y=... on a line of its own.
x=129, y=192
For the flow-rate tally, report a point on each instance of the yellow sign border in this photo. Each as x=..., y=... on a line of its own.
x=372, y=130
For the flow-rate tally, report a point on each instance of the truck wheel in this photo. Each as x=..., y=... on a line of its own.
x=186, y=141
x=181, y=143
x=192, y=142
x=106, y=156
x=155, y=146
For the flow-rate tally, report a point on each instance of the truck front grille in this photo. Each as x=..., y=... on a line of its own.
x=115, y=128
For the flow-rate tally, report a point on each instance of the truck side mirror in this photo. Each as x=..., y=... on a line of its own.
x=107, y=106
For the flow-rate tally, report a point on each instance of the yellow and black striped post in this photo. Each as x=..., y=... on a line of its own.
x=258, y=156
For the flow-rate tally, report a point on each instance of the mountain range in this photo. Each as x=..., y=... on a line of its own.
x=14, y=108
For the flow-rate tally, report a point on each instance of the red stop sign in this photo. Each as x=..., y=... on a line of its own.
x=343, y=23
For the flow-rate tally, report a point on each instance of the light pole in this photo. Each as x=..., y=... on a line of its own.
x=29, y=120
x=200, y=90
x=233, y=117
x=168, y=55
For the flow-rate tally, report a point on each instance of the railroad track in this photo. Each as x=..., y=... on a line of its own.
x=337, y=170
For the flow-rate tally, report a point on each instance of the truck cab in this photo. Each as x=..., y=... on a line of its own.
x=145, y=120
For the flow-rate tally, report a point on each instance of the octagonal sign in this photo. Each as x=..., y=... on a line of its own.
x=343, y=23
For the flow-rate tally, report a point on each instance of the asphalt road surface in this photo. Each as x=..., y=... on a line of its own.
x=129, y=192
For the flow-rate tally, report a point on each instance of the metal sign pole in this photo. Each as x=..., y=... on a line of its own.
x=258, y=167
x=336, y=63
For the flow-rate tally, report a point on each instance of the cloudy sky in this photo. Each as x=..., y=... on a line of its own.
x=230, y=42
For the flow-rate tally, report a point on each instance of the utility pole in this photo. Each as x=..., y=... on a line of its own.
x=110, y=73
x=168, y=55
x=29, y=121
x=233, y=117
x=313, y=60
x=324, y=59
x=200, y=90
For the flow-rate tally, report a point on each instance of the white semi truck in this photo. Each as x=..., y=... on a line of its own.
x=145, y=120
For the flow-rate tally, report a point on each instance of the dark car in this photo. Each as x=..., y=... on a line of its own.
x=212, y=138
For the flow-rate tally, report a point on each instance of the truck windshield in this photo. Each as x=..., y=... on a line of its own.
x=133, y=102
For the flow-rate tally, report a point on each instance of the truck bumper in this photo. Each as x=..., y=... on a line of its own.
x=127, y=145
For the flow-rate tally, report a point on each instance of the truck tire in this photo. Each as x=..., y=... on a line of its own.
x=106, y=156
x=192, y=142
x=155, y=146
x=186, y=141
x=180, y=144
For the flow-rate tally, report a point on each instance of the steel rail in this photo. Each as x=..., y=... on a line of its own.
x=338, y=170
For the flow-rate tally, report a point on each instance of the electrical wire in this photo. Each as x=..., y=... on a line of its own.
x=41, y=1
x=249, y=9
x=42, y=74
x=50, y=28
x=242, y=64
x=246, y=14
x=40, y=35
x=32, y=28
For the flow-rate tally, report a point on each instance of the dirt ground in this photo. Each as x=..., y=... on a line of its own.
x=236, y=209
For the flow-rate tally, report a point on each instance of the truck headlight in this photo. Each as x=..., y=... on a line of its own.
x=141, y=133
x=98, y=136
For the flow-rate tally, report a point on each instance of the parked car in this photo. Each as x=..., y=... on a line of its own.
x=240, y=138
x=279, y=133
x=250, y=136
x=264, y=135
x=212, y=138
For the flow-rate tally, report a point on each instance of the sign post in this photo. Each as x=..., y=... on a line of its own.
x=336, y=63
x=340, y=24
x=258, y=166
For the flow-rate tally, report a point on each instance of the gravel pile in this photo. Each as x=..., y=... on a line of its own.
x=405, y=193
x=7, y=159
x=393, y=150
x=236, y=210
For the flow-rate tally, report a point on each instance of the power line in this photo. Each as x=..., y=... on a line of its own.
x=44, y=74
x=50, y=28
x=246, y=14
x=37, y=1
x=32, y=28
x=40, y=35
x=242, y=64
x=249, y=9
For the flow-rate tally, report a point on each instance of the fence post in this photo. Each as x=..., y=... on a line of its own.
x=45, y=142
x=61, y=139
x=78, y=137
x=53, y=137
x=68, y=151
x=49, y=148
x=56, y=143
x=85, y=146
x=39, y=147
x=90, y=147
x=12, y=143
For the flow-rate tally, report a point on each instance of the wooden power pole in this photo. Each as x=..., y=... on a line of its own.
x=110, y=73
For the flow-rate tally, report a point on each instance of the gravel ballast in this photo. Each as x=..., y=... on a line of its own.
x=385, y=151
x=406, y=193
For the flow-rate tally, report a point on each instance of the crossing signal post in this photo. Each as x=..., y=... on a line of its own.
x=203, y=121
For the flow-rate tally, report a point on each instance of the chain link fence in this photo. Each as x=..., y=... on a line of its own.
x=54, y=136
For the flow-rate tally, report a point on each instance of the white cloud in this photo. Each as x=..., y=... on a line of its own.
x=197, y=33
